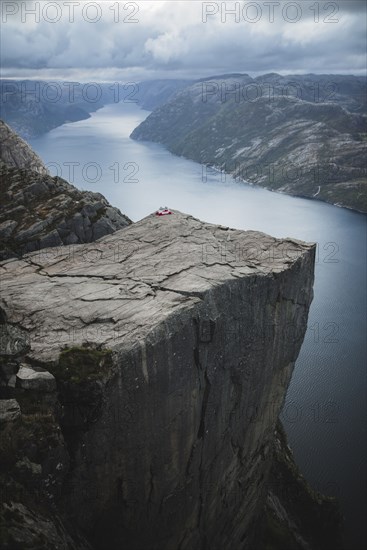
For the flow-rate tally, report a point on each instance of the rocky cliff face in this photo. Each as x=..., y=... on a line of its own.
x=39, y=211
x=16, y=153
x=299, y=135
x=171, y=344
x=296, y=517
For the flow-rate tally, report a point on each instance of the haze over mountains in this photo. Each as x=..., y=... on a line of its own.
x=34, y=107
x=299, y=134
x=303, y=135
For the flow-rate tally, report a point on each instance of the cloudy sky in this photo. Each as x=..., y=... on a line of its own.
x=102, y=40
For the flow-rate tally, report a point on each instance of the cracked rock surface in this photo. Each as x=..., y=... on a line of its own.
x=182, y=338
x=127, y=283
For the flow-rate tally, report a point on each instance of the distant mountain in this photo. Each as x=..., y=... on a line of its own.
x=34, y=107
x=39, y=211
x=302, y=135
x=349, y=91
x=154, y=93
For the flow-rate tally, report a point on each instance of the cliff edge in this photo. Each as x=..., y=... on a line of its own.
x=16, y=153
x=141, y=380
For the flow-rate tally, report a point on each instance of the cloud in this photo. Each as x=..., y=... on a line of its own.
x=181, y=38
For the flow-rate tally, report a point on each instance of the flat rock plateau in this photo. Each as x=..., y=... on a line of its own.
x=142, y=376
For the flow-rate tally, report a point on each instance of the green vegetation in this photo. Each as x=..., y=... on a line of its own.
x=80, y=364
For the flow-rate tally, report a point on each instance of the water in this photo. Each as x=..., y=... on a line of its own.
x=325, y=410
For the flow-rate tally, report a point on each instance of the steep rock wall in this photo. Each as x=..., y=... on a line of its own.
x=182, y=338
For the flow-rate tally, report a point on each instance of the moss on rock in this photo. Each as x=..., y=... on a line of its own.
x=79, y=364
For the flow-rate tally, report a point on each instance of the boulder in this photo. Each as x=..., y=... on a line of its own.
x=36, y=379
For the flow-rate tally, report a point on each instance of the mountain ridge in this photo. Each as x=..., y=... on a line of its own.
x=313, y=149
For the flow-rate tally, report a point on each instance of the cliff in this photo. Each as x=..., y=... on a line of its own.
x=39, y=211
x=295, y=516
x=142, y=379
x=274, y=132
x=16, y=153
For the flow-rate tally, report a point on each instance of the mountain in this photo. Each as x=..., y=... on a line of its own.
x=38, y=210
x=154, y=93
x=141, y=381
x=34, y=107
x=142, y=374
x=16, y=153
x=300, y=135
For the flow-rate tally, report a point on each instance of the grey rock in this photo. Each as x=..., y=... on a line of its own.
x=26, y=527
x=15, y=152
x=9, y=410
x=172, y=439
x=51, y=239
x=14, y=341
x=36, y=379
x=12, y=381
x=287, y=484
x=7, y=228
x=8, y=369
x=38, y=211
x=51, y=213
x=27, y=468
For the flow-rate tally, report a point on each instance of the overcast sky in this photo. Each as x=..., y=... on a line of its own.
x=122, y=41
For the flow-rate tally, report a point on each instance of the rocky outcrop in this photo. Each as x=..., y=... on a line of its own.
x=16, y=153
x=274, y=132
x=296, y=517
x=9, y=410
x=172, y=343
x=39, y=211
x=33, y=455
